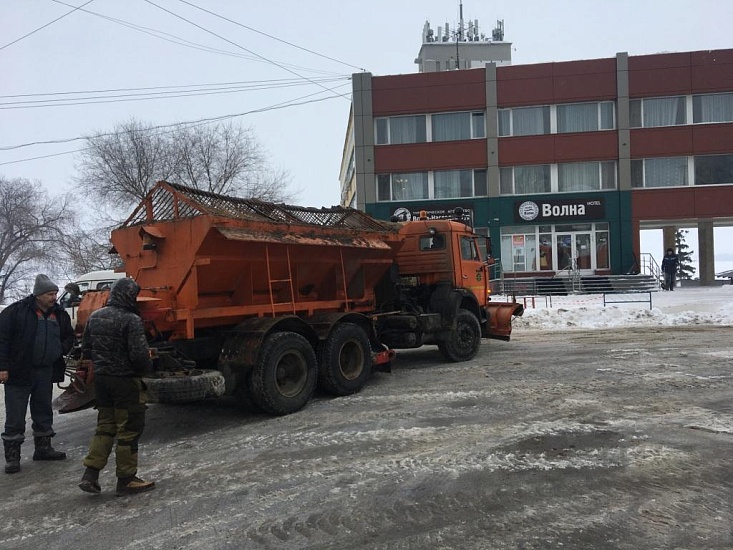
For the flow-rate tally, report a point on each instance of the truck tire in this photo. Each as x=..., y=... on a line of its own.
x=184, y=386
x=344, y=360
x=465, y=340
x=285, y=374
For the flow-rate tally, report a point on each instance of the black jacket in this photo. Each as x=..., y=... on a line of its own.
x=670, y=263
x=114, y=336
x=18, y=324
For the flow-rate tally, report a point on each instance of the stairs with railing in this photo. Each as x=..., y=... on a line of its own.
x=570, y=281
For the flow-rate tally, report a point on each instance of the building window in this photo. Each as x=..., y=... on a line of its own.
x=712, y=108
x=555, y=247
x=659, y=172
x=401, y=129
x=457, y=126
x=713, y=169
x=586, y=176
x=447, y=184
x=658, y=111
x=524, y=121
x=518, y=250
x=450, y=184
x=520, y=180
x=585, y=117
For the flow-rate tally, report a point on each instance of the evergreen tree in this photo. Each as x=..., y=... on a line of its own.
x=686, y=270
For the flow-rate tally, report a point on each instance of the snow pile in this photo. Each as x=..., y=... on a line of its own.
x=684, y=306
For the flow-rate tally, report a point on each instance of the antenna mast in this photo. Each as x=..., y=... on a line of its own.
x=459, y=36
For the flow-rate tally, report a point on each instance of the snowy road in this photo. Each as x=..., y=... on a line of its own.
x=618, y=438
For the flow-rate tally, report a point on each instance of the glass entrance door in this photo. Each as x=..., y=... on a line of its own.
x=573, y=251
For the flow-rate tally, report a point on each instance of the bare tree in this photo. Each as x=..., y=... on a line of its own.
x=119, y=168
x=216, y=158
x=267, y=185
x=88, y=250
x=32, y=225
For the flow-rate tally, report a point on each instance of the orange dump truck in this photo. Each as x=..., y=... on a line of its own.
x=267, y=301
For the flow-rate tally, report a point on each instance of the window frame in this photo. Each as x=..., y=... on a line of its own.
x=384, y=181
x=640, y=168
x=604, y=182
x=696, y=108
x=642, y=122
x=599, y=112
x=546, y=120
x=388, y=131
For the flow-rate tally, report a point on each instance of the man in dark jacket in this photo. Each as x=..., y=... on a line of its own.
x=670, y=263
x=114, y=340
x=35, y=334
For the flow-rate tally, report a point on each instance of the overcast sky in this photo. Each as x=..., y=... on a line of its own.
x=311, y=51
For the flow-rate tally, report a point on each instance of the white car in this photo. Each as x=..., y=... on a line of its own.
x=94, y=280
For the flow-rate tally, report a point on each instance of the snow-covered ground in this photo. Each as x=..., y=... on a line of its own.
x=683, y=306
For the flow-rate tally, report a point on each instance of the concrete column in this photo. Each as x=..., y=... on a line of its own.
x=706, y=252
x=492, y=131
x=668, y=240
x=622, y=121
x=363, y=139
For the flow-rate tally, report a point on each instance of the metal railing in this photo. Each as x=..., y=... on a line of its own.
x=649, y=266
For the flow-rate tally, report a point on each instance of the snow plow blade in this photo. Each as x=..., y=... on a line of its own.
x=73, y=399
x=501, y=314
x=79, y=394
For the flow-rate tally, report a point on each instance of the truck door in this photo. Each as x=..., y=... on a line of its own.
x=471, y=271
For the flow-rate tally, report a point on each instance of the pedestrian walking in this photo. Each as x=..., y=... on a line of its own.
x=35, y=334
x=670, y=264
x=114, y=340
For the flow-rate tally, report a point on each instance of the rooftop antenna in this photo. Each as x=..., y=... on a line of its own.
x=459, y=36
x=460, y=25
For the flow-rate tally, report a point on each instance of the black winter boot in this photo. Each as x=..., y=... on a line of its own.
x=44, y=451
x=12, y=456
x=90, y=481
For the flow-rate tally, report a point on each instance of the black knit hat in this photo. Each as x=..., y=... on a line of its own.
x=43, y=285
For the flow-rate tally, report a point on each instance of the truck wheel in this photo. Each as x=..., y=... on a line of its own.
x=465, y=340
x=184, y=386
x=284, y=377
x=344, y=360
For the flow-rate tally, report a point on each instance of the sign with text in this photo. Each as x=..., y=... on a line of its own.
x=559, y=210
x=435, y=212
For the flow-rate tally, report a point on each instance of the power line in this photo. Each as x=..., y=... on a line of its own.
x=44, y=26
x=269, y=35
x=109, y=90
x=170, y=94
x=238, y=45
x=180, y=41
x=191, y=124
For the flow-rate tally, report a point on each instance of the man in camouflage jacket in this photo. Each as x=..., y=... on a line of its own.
x=114, y=339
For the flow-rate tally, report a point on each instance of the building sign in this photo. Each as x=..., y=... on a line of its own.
x=559, y=210
x=435, y=212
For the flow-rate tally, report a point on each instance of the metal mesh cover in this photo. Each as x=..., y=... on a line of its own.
x=171, y=200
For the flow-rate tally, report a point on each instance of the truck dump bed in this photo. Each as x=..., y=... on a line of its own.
x=208, y=260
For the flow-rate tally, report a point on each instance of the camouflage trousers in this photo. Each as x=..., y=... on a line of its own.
x=121, y=416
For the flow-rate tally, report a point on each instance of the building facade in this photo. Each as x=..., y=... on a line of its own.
x=562, y=164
